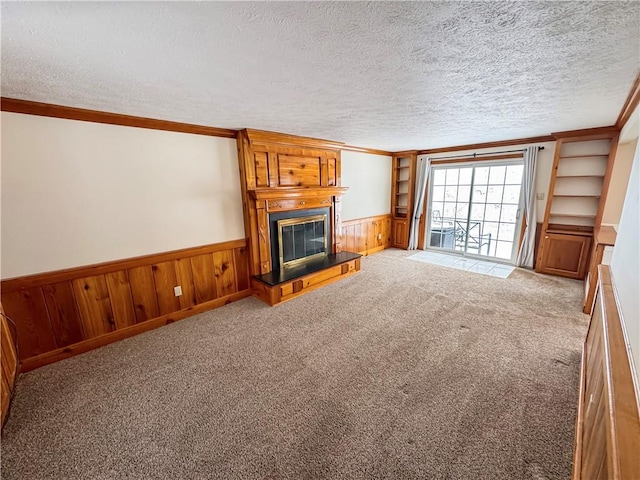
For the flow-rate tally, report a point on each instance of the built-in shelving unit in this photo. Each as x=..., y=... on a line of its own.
x=580, y=171
x=403, y=178
x=579, y=184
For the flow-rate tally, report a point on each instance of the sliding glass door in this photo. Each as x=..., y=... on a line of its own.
x=474, y=208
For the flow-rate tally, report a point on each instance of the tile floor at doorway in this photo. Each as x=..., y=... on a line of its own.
x=473, y=265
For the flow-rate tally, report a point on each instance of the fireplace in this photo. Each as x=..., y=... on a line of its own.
x=299, y=236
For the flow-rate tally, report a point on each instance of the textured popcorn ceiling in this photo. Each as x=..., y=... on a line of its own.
x=382, y=75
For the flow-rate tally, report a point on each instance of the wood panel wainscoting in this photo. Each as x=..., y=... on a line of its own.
x=9, y=362
x=607, y=439
x=63, y=313
x=367, y=235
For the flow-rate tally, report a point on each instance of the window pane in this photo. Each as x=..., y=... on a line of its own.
x=438, y=194
x=514, y=174
x=465, y=176
x=452, y=176
x=494, y=193
x=509, y=213
x=507, y=231
x=463, y=193
x=450, y=193
x=492, y=212
x=462, y=211
x=437, y=210
x=511, y=194
x=490, y=228
x=490, y=247
x=503, y=250
x=496, y=175
x=482, y=176
x=449, y=210
x=477, y=211
x=479, y=194
x=438, y=177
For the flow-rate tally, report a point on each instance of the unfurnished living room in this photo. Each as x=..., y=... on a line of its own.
x=320, y=240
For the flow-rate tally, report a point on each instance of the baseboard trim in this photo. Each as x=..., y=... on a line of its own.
x=97, y=342
x=366, y=253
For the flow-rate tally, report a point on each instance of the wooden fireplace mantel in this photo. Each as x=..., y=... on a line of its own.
x=288, y=193
x=280, y=173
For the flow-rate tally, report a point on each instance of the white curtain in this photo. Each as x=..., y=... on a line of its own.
x=424, y=167
x=525, y=255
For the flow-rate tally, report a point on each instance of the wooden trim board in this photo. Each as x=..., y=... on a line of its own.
x=597, y=133
x=479, y=146
x=82, y=114
x=630, y=104
x=372, y=151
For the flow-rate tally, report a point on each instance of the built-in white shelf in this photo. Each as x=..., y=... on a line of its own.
x=592, y=147
x=582, y=166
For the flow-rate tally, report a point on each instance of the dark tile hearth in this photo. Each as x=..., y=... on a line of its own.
x=276, y=277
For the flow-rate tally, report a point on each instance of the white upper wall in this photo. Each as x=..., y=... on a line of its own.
x=619, y=182
x=369, y=180
x=625, y=263
x=77, y=193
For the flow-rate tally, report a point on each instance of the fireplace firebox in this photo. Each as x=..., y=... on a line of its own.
x=299, y=236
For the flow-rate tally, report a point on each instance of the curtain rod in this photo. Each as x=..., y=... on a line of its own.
x=474, y=155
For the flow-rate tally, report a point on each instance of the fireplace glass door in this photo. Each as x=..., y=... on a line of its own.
x=301, y=239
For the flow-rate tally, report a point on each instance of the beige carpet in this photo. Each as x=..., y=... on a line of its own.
x=406, y=370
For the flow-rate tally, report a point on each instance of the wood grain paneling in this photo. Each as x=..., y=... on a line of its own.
x=9, y=363
x=121, y=298
x=94, y=304
x=262, y=170
x=143, y=290
x=224, y=273
x=28, y=309
x=241, y=259
x=184, y=278
x=164, y=277
x=366, y=235
x=298, y=171
x=62, y=313
x=204, y=277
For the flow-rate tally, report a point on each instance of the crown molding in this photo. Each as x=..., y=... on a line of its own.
x=72, y=113
x=478, y=146
x=630, y=103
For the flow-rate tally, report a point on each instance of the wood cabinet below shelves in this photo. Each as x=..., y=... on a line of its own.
x=564, y=254
x=400, y=233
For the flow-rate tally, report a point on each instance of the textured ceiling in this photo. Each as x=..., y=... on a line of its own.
x=381, y=75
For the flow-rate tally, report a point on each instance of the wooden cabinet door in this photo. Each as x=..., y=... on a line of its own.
x=400, y=233
x=565, y=255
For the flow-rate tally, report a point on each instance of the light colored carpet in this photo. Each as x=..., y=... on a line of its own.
x=406, y=370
